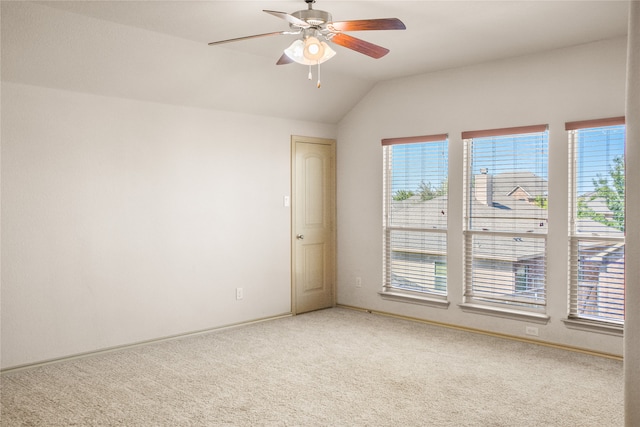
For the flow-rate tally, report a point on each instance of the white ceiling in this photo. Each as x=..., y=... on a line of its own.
x=439, y=35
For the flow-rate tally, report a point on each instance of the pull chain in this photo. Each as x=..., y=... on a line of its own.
x=310, y=76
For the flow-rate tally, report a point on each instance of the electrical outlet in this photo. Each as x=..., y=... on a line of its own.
x=531, y=330
x=239, y=293
x=358, y=282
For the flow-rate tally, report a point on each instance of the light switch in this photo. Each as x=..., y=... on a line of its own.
x=286, y=201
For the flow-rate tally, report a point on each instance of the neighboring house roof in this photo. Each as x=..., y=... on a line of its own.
x=506, y=213
x=596, y=229
x=504, y=183
x=607, y=253
x=597, y=204
x=431, y=214
x=519, y=190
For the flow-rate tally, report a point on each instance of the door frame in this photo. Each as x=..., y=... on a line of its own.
x=332, y=143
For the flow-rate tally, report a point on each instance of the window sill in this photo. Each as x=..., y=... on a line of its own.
x=507, y=313
x=414, y=299
x=593, y=326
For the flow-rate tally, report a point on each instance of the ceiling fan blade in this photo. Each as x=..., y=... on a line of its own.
x=297, y=22
x=255, y=36
x=368, y=24
x=284, y=59
x=366, y=48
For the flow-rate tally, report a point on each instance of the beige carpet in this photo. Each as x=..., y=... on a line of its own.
x=335, y=367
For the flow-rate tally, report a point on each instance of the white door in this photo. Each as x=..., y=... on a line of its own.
x=313, y=223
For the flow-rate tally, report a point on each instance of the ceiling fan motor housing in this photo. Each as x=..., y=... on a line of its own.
x=313, y=17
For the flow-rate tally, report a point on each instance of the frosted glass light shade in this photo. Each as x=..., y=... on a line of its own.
x=303, y=52
x=313, y=50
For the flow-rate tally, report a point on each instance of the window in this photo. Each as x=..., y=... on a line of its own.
x=506, y=208
x=415, y=216
x=597, y=222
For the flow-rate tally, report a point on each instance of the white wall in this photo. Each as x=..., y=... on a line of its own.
x=579, y=83
x=124, y=221
x=632, y=249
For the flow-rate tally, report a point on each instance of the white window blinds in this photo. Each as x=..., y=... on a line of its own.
x=506, y=179
x=415, y=214
x=597, y=222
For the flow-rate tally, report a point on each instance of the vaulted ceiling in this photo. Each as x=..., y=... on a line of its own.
x=157, y=50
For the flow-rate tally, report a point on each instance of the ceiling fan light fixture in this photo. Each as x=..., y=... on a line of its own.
x=328, y=52
x=309, y=52
x=313, y=50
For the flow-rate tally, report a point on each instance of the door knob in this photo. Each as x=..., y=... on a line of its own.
x=300, y=237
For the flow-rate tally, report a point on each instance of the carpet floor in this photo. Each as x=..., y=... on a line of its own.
x=335, y=367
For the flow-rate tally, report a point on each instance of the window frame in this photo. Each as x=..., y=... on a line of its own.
x=436, y=298
x=576, y=273
x=510, y=307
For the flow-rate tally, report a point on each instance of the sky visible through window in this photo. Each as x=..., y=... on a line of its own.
x=414, y=164
x=596, y=150
x=511, y=153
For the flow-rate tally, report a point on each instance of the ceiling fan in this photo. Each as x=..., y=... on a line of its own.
x=317, y=29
